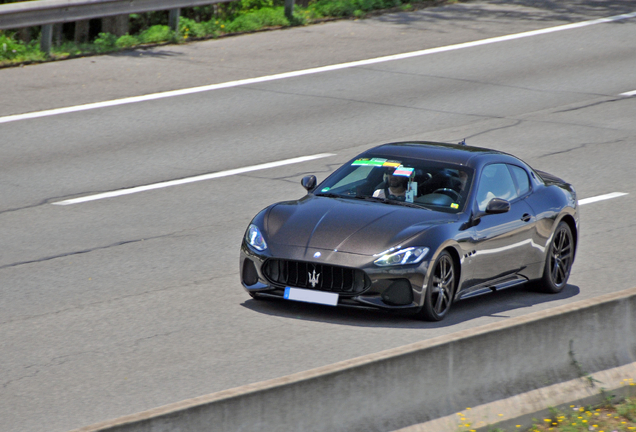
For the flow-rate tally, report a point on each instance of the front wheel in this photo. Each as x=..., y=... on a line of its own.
x=559, y=260
x=440, y=289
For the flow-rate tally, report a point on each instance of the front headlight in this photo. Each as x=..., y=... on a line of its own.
x=254, y=238
x=411, y=255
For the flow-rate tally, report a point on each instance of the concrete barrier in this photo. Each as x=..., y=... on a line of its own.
x=421, y=382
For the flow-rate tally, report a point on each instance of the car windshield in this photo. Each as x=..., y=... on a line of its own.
x=411, y=182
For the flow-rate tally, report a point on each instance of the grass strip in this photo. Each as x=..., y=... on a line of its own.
x=608, y=417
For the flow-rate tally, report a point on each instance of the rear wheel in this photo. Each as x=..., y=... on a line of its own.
x=559, y=260
x=440, y=289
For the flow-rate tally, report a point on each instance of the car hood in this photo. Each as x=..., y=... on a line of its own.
x=347, y=225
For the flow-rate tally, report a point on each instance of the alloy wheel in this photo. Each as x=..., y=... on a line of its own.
x=443, y=282
x=561, y=256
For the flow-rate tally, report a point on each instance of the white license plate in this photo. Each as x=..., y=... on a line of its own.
x=310, y=296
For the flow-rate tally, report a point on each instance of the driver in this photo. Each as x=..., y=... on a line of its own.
x=396, y=186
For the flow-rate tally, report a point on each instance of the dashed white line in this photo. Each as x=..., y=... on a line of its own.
x=243, y=170
x=629, y=93
x=601, y=197
x=298, y=73
x=198, y=178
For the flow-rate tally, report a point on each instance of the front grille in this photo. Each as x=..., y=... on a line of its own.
x=316, y=276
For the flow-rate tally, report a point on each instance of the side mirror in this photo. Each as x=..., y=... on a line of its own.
x=309, y=182
x=497, y=206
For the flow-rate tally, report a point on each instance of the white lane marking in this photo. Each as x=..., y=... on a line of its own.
x=601, y=197
x=298, y=73
x=630, y=93
x=192, y=179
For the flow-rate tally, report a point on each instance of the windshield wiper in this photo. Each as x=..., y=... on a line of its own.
x=403, y=203
x=368, y=198
x=331, y=195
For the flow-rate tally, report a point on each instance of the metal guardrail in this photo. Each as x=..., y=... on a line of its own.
x=48, y=12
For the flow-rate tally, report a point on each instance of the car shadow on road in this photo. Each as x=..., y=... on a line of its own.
x=496, y=305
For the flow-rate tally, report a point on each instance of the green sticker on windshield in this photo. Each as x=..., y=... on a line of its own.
x=375, y=162
x=369, y=162
x=325, y=189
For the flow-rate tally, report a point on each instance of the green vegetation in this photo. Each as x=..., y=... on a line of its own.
x=608, y=417
x=12, y=51
x=196, y=23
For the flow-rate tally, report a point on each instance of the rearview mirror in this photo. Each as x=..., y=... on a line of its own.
x=308, y=182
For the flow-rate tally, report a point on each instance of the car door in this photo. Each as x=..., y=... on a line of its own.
x=501, y=242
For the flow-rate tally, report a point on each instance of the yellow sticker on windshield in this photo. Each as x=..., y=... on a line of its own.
x=391, y=164
x=455, y=205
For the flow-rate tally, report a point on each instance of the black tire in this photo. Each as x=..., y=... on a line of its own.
x=440, y=289
x=559, y=259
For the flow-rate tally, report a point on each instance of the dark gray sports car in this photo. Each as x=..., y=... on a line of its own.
x=414, y=226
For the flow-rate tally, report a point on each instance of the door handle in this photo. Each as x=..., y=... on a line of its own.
x=526, y=217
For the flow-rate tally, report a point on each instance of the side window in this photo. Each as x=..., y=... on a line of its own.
x=521, y=176
x=495, y=182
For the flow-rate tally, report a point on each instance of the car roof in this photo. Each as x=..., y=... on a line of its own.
x=458, y=154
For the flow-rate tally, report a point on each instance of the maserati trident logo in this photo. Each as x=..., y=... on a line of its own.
x=313, y=279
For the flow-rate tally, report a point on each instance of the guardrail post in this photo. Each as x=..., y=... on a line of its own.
x=289, y=9
x=81, y=31
x=46, y=38
x=173, y=20
x=117, y=25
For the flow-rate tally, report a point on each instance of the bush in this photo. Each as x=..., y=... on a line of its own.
x=156, y=33
x=211, y=27
x=244, y=23
x=347, y=8
x=190, y=28
x=127, y=41
x=257, y=20
x=339, y=8
x=252, y=5
x=10, y=49
x=105, y=42
x=272, y=17
x=143, y=21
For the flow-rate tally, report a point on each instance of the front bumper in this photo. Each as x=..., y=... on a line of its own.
x=399, y=289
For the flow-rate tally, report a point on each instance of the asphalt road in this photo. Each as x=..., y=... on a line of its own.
x=114, y=306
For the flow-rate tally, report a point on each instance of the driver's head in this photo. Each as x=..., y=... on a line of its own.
x=397, y=181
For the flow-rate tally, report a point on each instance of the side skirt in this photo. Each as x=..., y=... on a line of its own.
x=508, y=282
